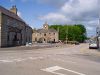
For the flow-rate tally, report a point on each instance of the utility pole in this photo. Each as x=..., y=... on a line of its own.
x=67, y=34
x=98, y=28
x=99, y=32
x=58, y=33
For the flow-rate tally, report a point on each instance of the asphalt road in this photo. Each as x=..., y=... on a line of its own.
x=74, y=60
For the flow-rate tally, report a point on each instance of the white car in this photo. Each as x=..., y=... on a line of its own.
x=93, y=45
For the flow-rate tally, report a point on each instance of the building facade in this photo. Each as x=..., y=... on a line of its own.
x=45, y=35
x=13, y=30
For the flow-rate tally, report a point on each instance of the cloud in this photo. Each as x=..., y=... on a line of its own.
x=19, y=14
x=12, y=0
x=25, y=0
x=91, y=31
x=55, y=18
x=90, y=28
x=79, y=10
x=76, y=11
x=55, y=3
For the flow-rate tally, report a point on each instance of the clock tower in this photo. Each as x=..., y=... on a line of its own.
x=45, y=26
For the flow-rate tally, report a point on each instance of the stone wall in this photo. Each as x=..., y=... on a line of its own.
x=28, y=34
x=4, y=30
x=14, y=32
x=49, y=36
x=57, y=37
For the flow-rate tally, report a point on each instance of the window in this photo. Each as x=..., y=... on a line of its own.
x=54, y=40
x=44, y=39
x=35, y=39
x=44, y=34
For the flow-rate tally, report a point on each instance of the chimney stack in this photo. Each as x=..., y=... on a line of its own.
x=14, y=9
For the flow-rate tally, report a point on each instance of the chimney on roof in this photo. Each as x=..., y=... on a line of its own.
x=13, y=9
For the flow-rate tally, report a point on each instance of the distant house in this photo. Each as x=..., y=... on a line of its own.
x=45, y=35
x=13, y=30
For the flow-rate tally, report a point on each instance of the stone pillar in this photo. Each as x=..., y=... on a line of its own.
x=30, y=34
x=4, y=31
x=23, y=32
x=56, y=37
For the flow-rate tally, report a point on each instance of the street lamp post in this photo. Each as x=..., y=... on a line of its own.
x=98, y=31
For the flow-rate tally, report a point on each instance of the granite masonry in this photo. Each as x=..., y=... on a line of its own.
x=45, y=35
x=13, y=30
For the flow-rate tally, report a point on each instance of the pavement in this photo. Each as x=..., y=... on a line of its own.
x=63, y=60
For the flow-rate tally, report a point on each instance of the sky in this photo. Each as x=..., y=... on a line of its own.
x=37, y=12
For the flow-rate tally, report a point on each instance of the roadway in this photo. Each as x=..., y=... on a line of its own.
x=73, y=60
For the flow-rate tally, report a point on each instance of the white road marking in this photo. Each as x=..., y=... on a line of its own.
x=19, y=59
x=58, y=73
x=51, y=69
x=30, y=57
x=5, y=61
x=55, y=68
x=65, y=61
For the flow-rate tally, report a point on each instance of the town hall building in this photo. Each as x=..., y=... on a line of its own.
x=45, y=35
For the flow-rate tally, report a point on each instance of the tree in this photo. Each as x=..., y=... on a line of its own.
x=71, y=32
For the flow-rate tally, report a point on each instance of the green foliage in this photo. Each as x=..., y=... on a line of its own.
x=71, y=32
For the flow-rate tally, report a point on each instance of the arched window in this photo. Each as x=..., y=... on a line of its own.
x=35, y=39
x=44, y=39
x=54, y=40
x=44, y=34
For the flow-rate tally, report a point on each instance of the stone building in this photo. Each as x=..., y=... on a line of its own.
x=13, y=30
x=45, y=35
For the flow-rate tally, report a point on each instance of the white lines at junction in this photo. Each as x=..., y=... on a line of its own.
x=55, y=68
x=19, y=59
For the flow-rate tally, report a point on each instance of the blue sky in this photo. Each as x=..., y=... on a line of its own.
x=29, y=10
x=36, y=12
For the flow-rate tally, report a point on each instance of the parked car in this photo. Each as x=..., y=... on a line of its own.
x=93, y=45
x=76, y=43
x=28, y=44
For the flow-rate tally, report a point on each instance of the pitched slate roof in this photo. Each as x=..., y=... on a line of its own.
x=9, y=13
x=45, y=31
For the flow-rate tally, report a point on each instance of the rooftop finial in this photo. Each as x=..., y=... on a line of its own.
x=46, y=26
